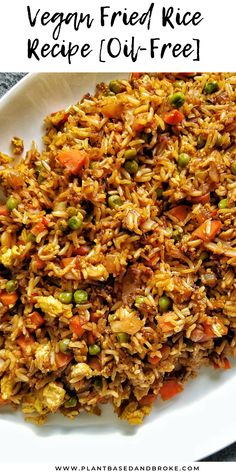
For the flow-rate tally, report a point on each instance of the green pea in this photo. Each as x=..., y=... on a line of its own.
x=159, y=193
x=139, y=301
x=75, y=222
x=211, y=87
x=122, y=337
x=80, y=296
x=63, y=345
x=65, y=297
x=223, y=204
x=71, y=403
x=11, y=286
x=179, y=84
x=201, y=141
x=116, y=87
x=177, y=99
x=131, y=166
x=12, y=203
x=164, y=303
x=130, y=153
x=183, y=160
x=176, y=235
x=114, y=201
x=233, y=168
x=94, y=350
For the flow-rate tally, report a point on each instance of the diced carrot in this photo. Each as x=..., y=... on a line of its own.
x=14, y=179
x=165, y=351
x=208, y=230
x=45, y=221
x=180, y=212
x=91, y=338
x=76, y=326
x=208, y=331
x=36, y=319
x=166, y=326
x=226, y=364
x=136, y=75
x=154, y=359
x=68, y=260
x=216, y=326
x=33, y=297
x=205, y=332
x=38, y=228
x=73, y=160
x=148, y=400
x=167, y=322
x=164, y=354
x=63, y=359
x=82, y=250
x=198, y=336
x=170, y=388
x=174, y=117
x=138, y=127
x=112, y=109
x=186, y=74
x=94, y=363
x=94, y=317
x=202, y=199
x=3, y=210
x=25, y=343
x=214, y=213
x=8, y=299
x=38, y=263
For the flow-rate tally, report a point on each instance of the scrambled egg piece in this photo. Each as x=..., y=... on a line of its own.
x=79, y=371
x=53, y=307
x=98, y=272
x=126, y=321
x=31, y=404
x=133, y=414
x=18, y=145
x=7, y=386
x=8, y=257
x=42, y=357
x=53, y=396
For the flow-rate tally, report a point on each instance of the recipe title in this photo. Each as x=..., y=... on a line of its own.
x=108, y=34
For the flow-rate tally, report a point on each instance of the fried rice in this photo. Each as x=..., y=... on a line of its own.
x=118, y=248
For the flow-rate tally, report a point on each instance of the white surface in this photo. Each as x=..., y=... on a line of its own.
x=216, y=34
x=196, y=423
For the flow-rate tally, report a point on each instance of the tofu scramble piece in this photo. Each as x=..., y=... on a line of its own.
x=118, y=248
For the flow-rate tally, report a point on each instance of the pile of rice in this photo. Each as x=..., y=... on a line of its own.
x=160, y=281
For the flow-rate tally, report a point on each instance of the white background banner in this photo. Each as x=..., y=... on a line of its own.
x=162, y=467
x=111, y=35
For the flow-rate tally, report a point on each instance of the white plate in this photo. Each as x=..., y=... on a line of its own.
x=193, y=425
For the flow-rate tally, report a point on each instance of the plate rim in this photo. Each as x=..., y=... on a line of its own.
x=223, y=440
